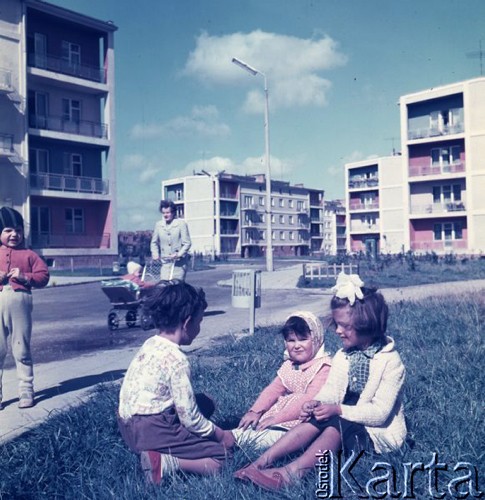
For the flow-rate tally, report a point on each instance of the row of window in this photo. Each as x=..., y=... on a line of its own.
x=73, y=220
x=448, y=231
x=39, y=162
x=281, y=235
x=39, y=107
x=260, y=218
x=248, y=202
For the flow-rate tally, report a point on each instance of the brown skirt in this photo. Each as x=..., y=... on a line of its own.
x=164, y=433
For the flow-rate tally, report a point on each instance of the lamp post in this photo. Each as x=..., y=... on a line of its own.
x=269, y=232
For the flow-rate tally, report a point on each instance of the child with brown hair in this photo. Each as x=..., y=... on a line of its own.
x=20, y=270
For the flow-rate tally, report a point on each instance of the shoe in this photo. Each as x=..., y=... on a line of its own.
x=242, y=473
x=1, y=406
x=26, y=400
x=151, y=464
x=270, y=481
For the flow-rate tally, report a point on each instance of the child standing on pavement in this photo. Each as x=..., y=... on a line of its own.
x=159, y=416
x=360, y=407
x=20, y=270
x=298, y=380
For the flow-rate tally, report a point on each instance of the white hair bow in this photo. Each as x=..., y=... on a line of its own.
x=348, y=287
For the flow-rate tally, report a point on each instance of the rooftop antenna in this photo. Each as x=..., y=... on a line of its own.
x=478, y=54
x=394, y=153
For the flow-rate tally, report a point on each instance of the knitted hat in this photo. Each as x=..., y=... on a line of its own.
x=10, y=218
x=317, y=333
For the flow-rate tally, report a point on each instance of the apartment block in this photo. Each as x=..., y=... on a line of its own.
x=227, y=214
x=57, y=147
x=443, y=152
x=334, y=228
x=375, y=205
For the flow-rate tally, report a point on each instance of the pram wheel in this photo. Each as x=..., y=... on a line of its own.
x=113, y=321
x=130, y=319
x=146, y=321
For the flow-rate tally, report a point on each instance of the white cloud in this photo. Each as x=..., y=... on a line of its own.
x=292, y=65
x=203, y=121
x=146, y=169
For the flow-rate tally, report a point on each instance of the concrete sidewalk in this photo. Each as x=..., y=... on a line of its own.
x=60, y=385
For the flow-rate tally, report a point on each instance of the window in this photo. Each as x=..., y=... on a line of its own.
x=291, y=203
x=272, y=202
x=282, y=219
x=282, y=235
x=71, y=110
x=281, y=202
x=263, y=235
x=71, y=57
x=448, y=231
x=39, y=161
x=273, y=218
x=248, y=201
x=300, y=205
x=273, y=235
x=261, y=201
x=74, y=220
x=291, y=219
x=73, y=164
x=38, y=106
x=446, y=193
x=291, y=235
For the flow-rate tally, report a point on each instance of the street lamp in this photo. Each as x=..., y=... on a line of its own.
x=269, y=235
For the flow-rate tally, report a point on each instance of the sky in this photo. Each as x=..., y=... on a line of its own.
x=335, y=71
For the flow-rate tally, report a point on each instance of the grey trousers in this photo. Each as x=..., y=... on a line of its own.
x=16, y=323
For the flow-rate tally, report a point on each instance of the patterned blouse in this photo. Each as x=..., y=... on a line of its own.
x=159, y=378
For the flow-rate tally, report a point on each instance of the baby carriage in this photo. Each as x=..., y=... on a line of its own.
x=126, y=299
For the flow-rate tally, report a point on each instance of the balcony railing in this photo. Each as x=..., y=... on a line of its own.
x=229, y=232
x=444, y=245
x=227, y=213
x=57, y=240
x=5, y=80
x=73, y=184
x=364, y=206
x=422, y=133
x=6, y=144
x=436, y=208
x=363, y=183
x=428, y=169
x=59, y=65
x=59, y=124
x=364, y=228
x=228, y=194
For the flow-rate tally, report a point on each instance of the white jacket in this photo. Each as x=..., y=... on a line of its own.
x=380, y=407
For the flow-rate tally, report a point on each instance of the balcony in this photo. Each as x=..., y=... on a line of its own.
x=428, y=169
x=60, y=124
x=438, y=208
x=364, y=228
x=6, y=144
x=356, y=183
x=439, y=245
x=229, y=214
x=426, y=132
x=5, y=80
x=358, y=205
x=229, y=195
x=70, y=183
x=229, y=232
x=60, y=65
x=57, y=240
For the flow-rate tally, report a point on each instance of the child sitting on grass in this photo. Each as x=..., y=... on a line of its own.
x=360, y=406
x=158, y=413
x=298, y=380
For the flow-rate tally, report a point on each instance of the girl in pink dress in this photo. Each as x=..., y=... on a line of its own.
x=300, y=377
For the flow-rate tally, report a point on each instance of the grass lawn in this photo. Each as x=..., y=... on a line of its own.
x=79, y=454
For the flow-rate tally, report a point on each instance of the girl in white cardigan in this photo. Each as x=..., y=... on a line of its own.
x=360, y=406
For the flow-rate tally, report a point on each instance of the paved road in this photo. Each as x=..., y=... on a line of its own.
x=70, y=321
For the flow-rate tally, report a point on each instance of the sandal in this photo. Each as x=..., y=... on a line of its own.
x=270, y=481
x=151, y=464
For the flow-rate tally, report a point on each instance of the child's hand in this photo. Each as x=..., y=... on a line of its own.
x=268, y=422
x=17, y=275
x=324, y=411
x=308, y=409
x=251, y=419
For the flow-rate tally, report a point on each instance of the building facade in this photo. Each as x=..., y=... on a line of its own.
x=374, y=203
x=334, y=228
x=227, y=214
x=57, y=148
x=443, y=152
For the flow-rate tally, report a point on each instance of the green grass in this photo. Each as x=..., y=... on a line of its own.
x=80, y=455
x=408, y=271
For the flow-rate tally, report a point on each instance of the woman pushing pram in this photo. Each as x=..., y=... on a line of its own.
x=170, y=243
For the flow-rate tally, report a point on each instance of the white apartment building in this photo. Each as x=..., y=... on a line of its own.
x=57, y=149
x=431, y=197
x=227, y=214
x=375, y=205
x=443, y=154
x=334, y=228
